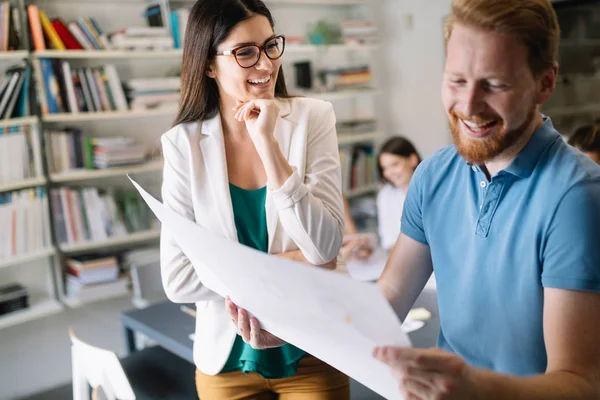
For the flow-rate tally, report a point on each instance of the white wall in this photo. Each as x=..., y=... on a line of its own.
x=413, y=40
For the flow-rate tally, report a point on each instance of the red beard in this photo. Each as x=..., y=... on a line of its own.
x=479, y=151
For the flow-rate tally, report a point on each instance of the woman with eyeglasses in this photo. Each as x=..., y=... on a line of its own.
x=258, y=166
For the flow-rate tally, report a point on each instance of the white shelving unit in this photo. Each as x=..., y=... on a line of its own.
x=147, y=125
x=178, y=53
x=113, y=243
x=13, y=55
x=349, y=139
x=26, y=268
x=23, y=184
x=27, y=258
x=88, y=175
x=373, y=188
x=106, y=115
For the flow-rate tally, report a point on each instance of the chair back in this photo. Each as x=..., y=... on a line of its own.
x=99, y=368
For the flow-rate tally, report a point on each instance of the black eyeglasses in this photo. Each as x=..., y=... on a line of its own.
x=247, y=56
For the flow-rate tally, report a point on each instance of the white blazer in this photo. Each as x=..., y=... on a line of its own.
x=306, y=213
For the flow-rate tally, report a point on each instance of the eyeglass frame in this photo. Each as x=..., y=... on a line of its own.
x=233, y=51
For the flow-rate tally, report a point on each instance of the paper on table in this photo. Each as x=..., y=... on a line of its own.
x=331, y=316
x=368, y=270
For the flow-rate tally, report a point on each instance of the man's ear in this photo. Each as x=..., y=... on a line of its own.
x=547, y=83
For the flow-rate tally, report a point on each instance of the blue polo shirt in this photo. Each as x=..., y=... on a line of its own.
x=496, y=245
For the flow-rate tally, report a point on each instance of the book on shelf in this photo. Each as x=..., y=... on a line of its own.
x=11, y=31
x=20, y=154
x=55, y=33
x=14, y=91
x=78, y=291
x=71, y=150
x=13, y=297
x=152, y=93
x=63, y=89
x=92, y=270
x=91, y=215
x=24, y=216
x=358, y=167
x=179, y=19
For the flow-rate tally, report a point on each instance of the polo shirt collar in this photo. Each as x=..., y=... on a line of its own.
x=524, y=163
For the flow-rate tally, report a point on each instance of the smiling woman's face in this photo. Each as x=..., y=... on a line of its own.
x=244, y=84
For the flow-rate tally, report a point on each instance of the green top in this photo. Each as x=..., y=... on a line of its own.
x=251, y=224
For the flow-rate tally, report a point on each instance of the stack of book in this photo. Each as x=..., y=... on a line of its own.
x=152, y=93
x=25, y=221
x=83, y=33
x=90, y=279
x=359, y=32
x=90, y=214
x=20, y=155
x=74, y=90
x=71, y=150
x=142, y=38
x=117, y=151
x=14, y=91
x=347, y=78
x=10, y=27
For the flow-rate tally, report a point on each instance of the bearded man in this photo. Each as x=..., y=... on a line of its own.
x=509, y=220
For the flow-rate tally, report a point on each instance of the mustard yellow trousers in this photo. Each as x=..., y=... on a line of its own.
x=314, y=380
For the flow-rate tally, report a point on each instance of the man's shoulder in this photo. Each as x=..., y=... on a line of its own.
x=566, y=167
x=442, y=162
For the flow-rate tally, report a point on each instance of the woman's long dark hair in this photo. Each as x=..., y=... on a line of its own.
x=209, y=24
x=399, y=146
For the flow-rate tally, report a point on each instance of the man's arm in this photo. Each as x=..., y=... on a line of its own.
x=296, y=255
x=572, y=337
x=406, y=272
x=571, y=332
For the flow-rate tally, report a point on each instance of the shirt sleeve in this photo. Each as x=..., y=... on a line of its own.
x=571, y=253
x=412, y=215
x=312, y=210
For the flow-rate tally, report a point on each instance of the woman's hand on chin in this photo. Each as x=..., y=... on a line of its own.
x=260, y=117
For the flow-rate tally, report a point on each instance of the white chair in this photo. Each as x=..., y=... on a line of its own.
x=149, y=374
x=99, y=369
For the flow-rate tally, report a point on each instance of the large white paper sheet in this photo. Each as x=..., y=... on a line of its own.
x=329, y=315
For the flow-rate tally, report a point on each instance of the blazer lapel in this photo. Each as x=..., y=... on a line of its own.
x=215, y=164
x=284, y=129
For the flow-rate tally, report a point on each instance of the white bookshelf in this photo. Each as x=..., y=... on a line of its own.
x=19, y=121
x=148, y=125
x=362, y=191
x=87, y=175
x=107, y=115
x=13, y=55
x=352, y=138
x=113, y=243
x=178, y=53
x=108, y=54
x=22, y=184
x=76, y=302
x=342, y=94
x=27, y=258
x=38, y=308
